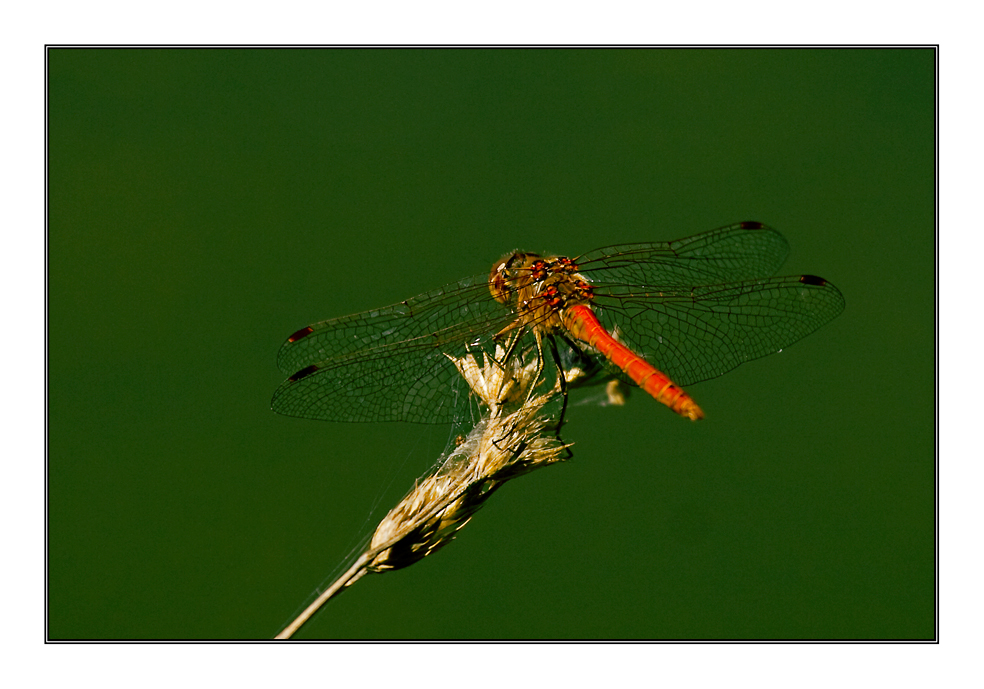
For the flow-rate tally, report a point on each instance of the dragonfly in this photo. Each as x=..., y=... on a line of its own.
x=660, y=315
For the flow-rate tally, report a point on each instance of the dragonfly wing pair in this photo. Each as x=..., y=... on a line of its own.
x=694, y=308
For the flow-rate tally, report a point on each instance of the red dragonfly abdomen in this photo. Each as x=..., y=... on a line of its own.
x=582, y=324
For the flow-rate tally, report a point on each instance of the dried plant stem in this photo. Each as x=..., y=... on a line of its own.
x=358, y=569
x=354, y=572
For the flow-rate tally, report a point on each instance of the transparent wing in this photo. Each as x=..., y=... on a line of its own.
x=743, y=251
x=701, y=333
x=388, y=364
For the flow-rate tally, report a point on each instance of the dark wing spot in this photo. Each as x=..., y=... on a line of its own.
x=303, y=332
x=812, y=280
x=751, y=225
x=303, y=373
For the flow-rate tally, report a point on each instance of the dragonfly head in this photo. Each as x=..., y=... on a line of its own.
x=509, y=275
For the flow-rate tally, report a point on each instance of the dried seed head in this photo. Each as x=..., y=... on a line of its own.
x=503, y=445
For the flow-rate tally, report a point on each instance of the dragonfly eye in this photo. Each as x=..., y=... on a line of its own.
x=499, y=283
x=513, y=273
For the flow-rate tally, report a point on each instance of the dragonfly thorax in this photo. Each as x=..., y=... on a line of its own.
x=539, y=288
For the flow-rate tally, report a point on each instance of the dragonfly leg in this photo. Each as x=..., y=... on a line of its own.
x=561, y=383
x=508, y=347
x=531, y=390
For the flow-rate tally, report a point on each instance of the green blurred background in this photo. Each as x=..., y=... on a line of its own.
x=204, y=204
